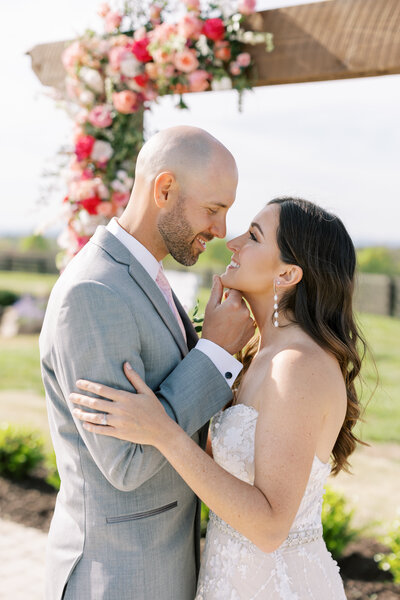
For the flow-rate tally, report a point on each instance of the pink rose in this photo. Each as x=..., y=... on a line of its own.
x=104, y=9
x=247, y=7
x=186, y=61
x=222, y=51
x=190, y=27
x=198, y=81
x=115, y=57
x=163, y=32
x=192, y=4
x=139, y=49
x=214, y=29
x=243, y=59
x=155, y=12
x=234, y=68
x=72, y=55
x=112, y=21
x=125, y=102
x=83, y=146
x=106, y=209
x=140, y=33
x=120, y=198
x=100, y=116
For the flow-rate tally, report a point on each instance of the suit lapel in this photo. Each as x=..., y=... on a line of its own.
x=192, y=337
x=118, y=252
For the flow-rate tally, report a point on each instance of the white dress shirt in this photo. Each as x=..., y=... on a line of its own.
x=226, y=364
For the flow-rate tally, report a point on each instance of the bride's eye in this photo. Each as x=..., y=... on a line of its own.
x=252, y=236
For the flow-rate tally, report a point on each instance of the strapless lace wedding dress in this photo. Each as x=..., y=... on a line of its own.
x=232, y=567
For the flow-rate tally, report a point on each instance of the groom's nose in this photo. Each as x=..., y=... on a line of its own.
x=218, y=228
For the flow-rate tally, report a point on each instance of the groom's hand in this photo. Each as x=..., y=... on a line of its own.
x=228, y=323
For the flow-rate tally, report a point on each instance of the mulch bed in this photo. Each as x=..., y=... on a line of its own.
x=31, y=503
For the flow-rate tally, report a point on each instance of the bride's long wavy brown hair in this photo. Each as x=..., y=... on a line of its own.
x=322, y=302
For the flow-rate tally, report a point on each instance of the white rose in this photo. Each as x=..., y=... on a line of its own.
x=218, y=85
x=92, y=78
x=102, y=151
x=118, y=186
x=86, y=97
x=130, y=67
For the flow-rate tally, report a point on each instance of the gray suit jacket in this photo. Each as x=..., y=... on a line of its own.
x=126, y=526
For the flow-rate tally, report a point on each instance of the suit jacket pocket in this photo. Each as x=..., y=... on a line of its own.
x=141, y=515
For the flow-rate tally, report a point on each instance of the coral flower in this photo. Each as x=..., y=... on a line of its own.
x=186, y=61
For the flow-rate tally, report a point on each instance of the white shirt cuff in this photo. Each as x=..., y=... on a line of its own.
x=226, y=364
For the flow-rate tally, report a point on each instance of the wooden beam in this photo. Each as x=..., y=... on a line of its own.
x=335, y=39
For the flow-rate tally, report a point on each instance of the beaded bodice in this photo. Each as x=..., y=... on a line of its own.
x=233, y=435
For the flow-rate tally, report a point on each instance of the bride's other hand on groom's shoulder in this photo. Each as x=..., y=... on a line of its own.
x=228, y=324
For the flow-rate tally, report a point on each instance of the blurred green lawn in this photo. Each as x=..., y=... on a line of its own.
x=19, y=367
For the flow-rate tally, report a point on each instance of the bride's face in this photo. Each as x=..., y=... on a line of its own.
x=256, y=257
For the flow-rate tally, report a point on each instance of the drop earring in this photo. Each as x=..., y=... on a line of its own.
x=276, y=314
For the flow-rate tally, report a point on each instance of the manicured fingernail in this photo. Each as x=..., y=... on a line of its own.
x=128, y=366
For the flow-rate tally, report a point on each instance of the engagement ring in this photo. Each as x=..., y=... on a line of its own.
x=104, y=419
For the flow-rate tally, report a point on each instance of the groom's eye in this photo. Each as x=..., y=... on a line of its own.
x=212, y=211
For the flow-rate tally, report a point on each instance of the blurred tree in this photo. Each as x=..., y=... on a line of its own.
x=379, y=260
x=34, y=242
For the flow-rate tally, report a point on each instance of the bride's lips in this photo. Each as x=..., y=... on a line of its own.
x=233, y=265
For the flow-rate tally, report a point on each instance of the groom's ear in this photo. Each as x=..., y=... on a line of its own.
x=164, y=184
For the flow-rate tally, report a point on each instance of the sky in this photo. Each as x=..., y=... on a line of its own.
x=335, y=143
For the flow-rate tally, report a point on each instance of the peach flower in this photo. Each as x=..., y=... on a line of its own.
x=192, y=4
x=234, y=68
x=186, y=61
x=155, y=12
x=104, y=9
x=152, y=70
x=198, y=81
x=222, y=51
x=125, y=102
x=190, y=27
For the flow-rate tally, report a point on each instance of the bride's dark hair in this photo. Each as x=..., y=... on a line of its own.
x=321, y=303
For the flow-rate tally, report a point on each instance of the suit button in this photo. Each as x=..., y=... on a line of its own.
x=228, y=375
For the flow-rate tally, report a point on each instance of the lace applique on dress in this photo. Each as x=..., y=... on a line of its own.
x=232, y=567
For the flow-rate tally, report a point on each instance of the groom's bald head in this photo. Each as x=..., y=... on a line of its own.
x=185, y=182
x=187, y=152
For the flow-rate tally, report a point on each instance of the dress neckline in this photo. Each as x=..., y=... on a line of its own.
x=316, y=458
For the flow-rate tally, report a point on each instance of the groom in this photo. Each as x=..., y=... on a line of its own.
x=126, y=526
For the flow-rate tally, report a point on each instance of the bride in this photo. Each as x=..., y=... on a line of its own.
x=290, y=424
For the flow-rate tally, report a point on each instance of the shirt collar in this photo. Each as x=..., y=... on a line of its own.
x=142, y=255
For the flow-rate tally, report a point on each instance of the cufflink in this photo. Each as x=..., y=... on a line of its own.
x=228, y=375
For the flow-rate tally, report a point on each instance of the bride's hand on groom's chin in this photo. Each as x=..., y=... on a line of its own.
x=228, y=324
x=138, y=417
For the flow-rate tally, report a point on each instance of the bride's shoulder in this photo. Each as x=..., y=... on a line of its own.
x=303, y=367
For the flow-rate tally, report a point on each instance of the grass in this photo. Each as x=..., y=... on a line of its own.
x=19, y=367
x=27, y=283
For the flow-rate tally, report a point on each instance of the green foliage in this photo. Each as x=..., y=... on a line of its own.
x=34, y=242
x=204, y=519
x=52, y=478
x=391, y=562
x=379, y=260
x=336, y=522
x=197, y=319
x=20, y=451
x=7, y=298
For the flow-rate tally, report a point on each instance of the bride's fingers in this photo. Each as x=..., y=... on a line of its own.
x=136, y=380
x=94, y=418
x=95, y=403
x=99, y=389
x=100, y=429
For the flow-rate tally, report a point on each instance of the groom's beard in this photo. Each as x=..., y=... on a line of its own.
x=179, y=236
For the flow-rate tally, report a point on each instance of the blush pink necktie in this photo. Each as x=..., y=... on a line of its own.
x=164, y=286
